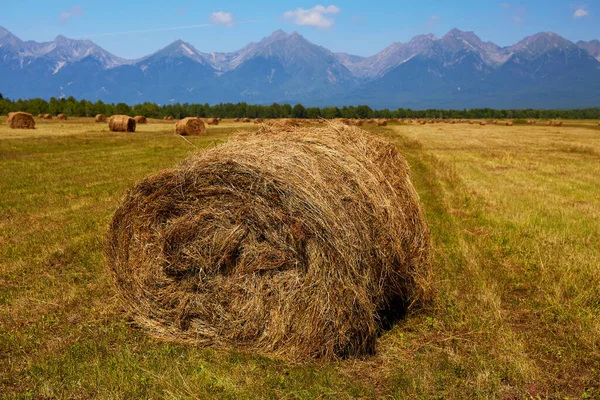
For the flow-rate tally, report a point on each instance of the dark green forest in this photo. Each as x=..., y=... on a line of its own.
x=84, y=108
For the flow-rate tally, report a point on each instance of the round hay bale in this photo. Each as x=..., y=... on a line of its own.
x=237, y=119
x=483, y=123
x=20, y=120
x=382, y=122
x=121, y=123
x=212, y=121
x=47, y=116
x=168, y=118
x=40, y=116
x=509, y=123
x=246, y=120
x=139, y=119
x=62, y=117
x=298, y=245
x=548, y=123
x=100, y=118
x=190, y=127
x=558, y=123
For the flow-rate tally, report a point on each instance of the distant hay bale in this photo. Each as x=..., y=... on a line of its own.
x=258, y=121
x=237, y=119
x=558, y=123
x=357, y=122
x=299, y=245
x=121, y=123
x=382, y=122
x=190, y=127
x=62, y=117
x=20, y=120
x=509, y=123
x=483, y=123
x=548, y=123
x=100, y=118
x=168, y=118
x=40, y=116
x=47, y=116
x=212, y=121
x=246, y=120
x=140, y=119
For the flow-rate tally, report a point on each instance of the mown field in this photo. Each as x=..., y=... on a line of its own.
x=514, y=214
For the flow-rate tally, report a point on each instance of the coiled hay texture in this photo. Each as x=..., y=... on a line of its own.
x=190, y=127
x=121, y=123
x=302, y=244
x=20, y=120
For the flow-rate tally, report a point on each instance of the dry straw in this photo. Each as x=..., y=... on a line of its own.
x=121, y=123
x=20, y=120
x=298, y=245
x=190, y=127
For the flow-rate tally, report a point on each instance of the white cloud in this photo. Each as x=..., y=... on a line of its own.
x=580, y=13
x=71, y=13
x=434, y=19
x=222, y=18
x=316, y=16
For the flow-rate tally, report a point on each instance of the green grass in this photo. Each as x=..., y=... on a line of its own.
x=514, y=216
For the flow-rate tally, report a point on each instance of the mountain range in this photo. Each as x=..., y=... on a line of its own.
x=458, y=70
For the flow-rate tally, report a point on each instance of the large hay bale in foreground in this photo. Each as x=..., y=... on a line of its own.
x=20, y=120
x=121, y=123
x=62, y=117
x=139, y=119
x=100, y=118
x=294, y=244
x=190, y=127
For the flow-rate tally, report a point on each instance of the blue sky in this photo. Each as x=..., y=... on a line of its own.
x=132, y=29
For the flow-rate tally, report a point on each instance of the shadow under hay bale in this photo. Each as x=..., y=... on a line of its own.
x=20, y=120
x=121, y=123
x=298, y=245
x=190, y=127
x=140, y=119
x=100, y=118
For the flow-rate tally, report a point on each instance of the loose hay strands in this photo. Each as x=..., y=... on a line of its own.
x=121, y=123
x=190, y=126
x=20, y=120
x=297, y=244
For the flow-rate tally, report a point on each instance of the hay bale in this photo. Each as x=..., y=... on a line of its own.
x=237, y=119
x=246, y=120
x=140, y=119
x=190, y=127
x=62, y=117
x=212, y=121
x=20, y=120
x=121, y=123
x=100, y=118
x=297, y=245
x=509, y=123
x=382, y=122
x=558, y=123
x=258, y=121
x=47, y=116
x=40, y=116
x=483, y=123
x=168, y=118
x=548, y=123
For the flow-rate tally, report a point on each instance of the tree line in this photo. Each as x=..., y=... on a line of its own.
x=83, y=108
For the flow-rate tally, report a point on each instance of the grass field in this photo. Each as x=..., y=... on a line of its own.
x=514, y=214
